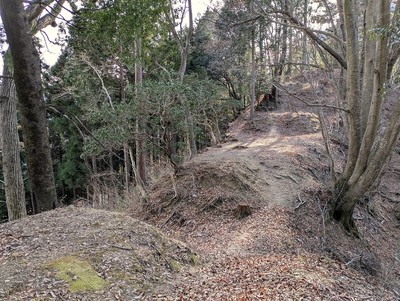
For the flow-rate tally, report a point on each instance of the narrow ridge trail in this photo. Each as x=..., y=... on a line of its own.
x=276, y=164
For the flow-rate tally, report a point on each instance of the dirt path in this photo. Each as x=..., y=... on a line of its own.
x=275, y=163
x=286, y=249
x=266, y=162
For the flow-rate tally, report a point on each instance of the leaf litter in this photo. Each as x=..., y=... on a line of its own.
x=287, y=249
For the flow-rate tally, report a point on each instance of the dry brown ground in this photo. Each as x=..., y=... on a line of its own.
x=131, y=256
x=287, y=249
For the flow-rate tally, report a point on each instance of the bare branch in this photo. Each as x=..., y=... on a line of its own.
x=308, y=31
x=50, y=17
x=100, y=78
x=318, y=105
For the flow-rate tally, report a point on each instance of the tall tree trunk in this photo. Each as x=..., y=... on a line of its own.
x=183, y=43
x=127, y=167
x=253, y=73
x=14, y=185
x=341, y=88
x=140, y=145
x=284, y=38
x=122, y=94
x=304, y=55
x=365, y=161
x=27, y=76
x=353, y=86
x=394, y=53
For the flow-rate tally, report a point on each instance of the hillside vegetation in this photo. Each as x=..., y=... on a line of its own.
x=200, y=248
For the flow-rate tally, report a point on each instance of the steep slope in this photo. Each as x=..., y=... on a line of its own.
x=288, y=249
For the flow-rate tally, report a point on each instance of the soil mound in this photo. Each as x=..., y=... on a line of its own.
x=86, y=254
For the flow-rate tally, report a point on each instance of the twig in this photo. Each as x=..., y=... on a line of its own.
x=313, y=172
x=168, y=219
x=119, y=247
x=97, y=72
x=301, y=202
x=352, y=260
x=388, y=198
x=319, y=105
x=328, y=146
x=291, y=178
x=160, y=254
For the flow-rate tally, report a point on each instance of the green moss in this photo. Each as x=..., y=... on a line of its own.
x=96, y=225
x=194, y=259
x=174, y=266
x=79, y=274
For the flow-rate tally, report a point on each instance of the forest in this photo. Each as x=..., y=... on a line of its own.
x=145, y=98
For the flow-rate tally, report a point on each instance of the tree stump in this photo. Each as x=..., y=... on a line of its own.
x=242, y=211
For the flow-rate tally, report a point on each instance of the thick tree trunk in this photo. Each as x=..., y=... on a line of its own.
x=13, y=181
x=343, y=213
x=368, y=152
x=27, y=76
x=375, y=98
x=353, y=87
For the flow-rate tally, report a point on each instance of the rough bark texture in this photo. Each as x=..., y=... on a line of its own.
x=343, y=213
x=27, y=76
x=13, y=181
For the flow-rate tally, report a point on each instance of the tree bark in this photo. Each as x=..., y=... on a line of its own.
x=341, y=60
x=184, y=46
x=394, y=52
x=13, y=181
x=253, y=73
x=368, y=152
x=353, y=86
x=304, y=54
x=140, y=149
x=27, y=77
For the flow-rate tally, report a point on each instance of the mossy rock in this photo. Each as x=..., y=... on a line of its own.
x=79, y=274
